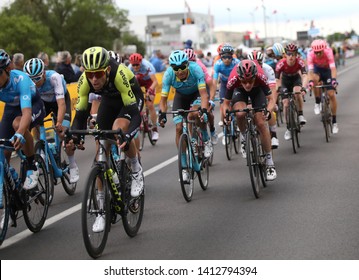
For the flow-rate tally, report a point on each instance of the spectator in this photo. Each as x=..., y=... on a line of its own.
x=188, y=44
x=64, y=67
x=18, y=61
x=45, y=58
x=208, y=60
x=157, y=61
x=77, y=64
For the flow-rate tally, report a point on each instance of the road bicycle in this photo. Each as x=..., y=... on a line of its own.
x=109, y=163
x=292, y=119
x=326, y=111
x=56, y=160
x=279, y=111
x=191, y=159
x=146, y=127
x=14, y=199
x=232, y=137
x=254, y=151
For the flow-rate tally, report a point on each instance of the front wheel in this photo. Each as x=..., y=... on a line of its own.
x=95, y=205
x=36, y=200
x=228, y=141
x=253, y=164
x=185, y=167
x=69, y=187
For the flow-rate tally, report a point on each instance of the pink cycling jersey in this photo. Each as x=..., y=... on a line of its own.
x=207, y=77
x=326, y=60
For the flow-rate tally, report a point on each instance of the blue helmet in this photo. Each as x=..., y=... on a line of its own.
x=278, y=49
x=4, y=59
x=178, y=58
x=226, y=48
x=34, y=67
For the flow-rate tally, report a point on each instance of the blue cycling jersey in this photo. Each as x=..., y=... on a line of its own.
x=194, y=82
x=225, y=70
x=53, y=88
x=19, y=91
x=146, y=69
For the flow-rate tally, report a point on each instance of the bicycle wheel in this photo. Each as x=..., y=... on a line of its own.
x=280, y=115
x=63, y=163
x=134, y=207
x=252, y=162
x=142, y=134
x=36, y=200
x=184, y=166
x=5, y=210
x=236, y=138
x=228, y=141
x=40, y=150
x=326, y=119
x=149, y=131
x=92, y=207
x=262, y=163
x=292, y=127
x=203, y=174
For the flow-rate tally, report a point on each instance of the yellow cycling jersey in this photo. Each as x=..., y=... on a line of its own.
x=118, y=84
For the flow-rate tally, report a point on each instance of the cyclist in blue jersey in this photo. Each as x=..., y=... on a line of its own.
x=146, y=76
x=53, y=91
x=187, y=78
x=23, y=110
x=222, y=68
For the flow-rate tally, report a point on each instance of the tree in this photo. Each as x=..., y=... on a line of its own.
x=129, y=39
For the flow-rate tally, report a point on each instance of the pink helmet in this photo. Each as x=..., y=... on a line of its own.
x=318, y=45
x=191, y=54
x=247, y=70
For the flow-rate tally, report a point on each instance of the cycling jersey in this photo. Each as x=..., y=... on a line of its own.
x=143, y=75
x=121, y=97
x=269, y=72
x=193, y=83
x=225, y=70
x=326, y=60
x=53, y=88
x=287, y=70
x=207, y=77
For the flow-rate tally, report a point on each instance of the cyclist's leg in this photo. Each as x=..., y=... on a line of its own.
x=272, y=123
x=153, y=116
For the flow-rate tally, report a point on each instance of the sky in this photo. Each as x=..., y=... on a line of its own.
x=283, y=17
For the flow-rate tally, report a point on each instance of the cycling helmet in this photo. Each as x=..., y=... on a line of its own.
x=177, y=58
x=291, y=48
x=278, y=49
x=318, y=45
x=95, y=58
x=246, y=70
x=135, y=58
x=219, y=48
x=256, y=55
x=116, y=56
x=34, y=67
x=226, y=49
x=191, y=54
x=4, y=59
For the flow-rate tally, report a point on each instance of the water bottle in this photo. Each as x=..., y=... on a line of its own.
x=114, y=177
x=15, y=176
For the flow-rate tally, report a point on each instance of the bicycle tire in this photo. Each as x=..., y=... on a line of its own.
x=149, y=132
x=292, y=127
x=326, y=119
x=183, y=148
x=142, y=135
x=228, y=142
x=253, y=164
x=236, y=138
x=5, y=211
x=203, y=174
x=95, y=242
x=262, y=162
x=40, y=150
x=63, y=163
x=132, y=213
x=36, y=200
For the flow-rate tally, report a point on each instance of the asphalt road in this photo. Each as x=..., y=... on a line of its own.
x=309, y=213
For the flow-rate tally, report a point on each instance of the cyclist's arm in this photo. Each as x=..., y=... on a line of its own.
x=270, y=99
x=82, y=107
x=60, y=91
x=154, y=82
x=27, y=91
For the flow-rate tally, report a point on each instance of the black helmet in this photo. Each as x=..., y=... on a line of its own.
x=4, y=59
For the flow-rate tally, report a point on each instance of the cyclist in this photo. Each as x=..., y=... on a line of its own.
x=121, y=97
x=321, y=67
x=52, y=88
x=23, y=110
x=146, y=76
x=223, y=67
x=268, y=71
x=289, y=73
x=192, y=57
x=116, y=56
x=250, y=81
x=187, y=78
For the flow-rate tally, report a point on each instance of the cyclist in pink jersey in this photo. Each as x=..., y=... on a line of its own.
x=321, y=68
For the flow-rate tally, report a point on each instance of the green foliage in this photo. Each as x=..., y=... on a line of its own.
x=72, y=25
x=129, y=39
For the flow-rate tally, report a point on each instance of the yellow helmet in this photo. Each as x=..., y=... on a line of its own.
x=95, y=58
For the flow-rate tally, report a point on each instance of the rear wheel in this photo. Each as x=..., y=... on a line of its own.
x=184, y=167
x=92, y=208
x=36, y=200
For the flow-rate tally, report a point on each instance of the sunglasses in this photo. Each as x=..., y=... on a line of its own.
x=180, y=67
x=135, y=65
x=247, y=81
x=95, y=74
x=291, y=53
x=36, y=79
x=226, y=57
x=318, y=52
